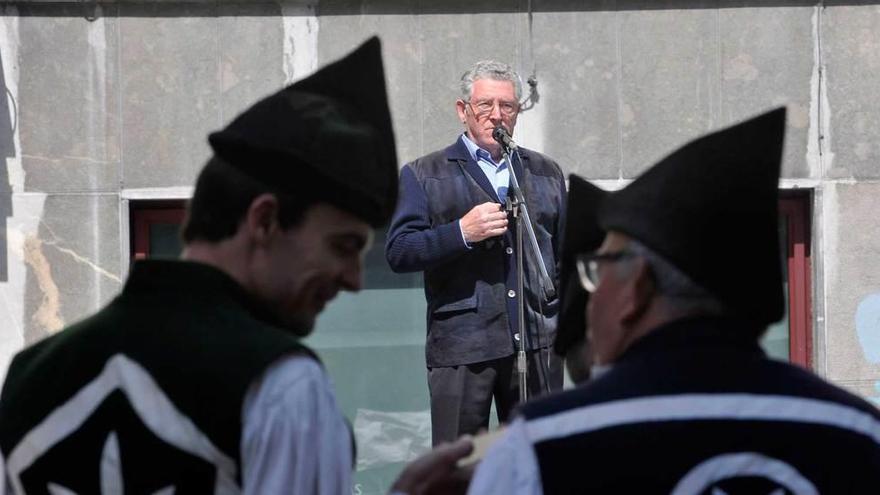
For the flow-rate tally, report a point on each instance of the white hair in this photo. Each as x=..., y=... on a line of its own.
x=680, y=291
x=489, y=69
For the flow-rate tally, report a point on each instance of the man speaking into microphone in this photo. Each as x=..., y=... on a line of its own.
x=452, y=224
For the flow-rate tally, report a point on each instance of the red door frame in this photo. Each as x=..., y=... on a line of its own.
x=795, y=207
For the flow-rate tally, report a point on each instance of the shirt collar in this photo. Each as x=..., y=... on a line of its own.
x=476, y=152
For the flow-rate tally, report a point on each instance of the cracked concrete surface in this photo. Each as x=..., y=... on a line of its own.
x=87, y=262
x=47, y=317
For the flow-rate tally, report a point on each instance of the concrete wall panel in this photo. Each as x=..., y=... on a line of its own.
x=767, y=60
x=20, y=256
x=852, y=286
x=251, y=55
x=851, y=53
x=68, y=99
x=670, y=72
x=72, y=270
x=576, y=54
x=402, y=53
x=451, y=44
x=171, y=82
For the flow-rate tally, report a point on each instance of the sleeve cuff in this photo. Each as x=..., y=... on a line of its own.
x=461, y=232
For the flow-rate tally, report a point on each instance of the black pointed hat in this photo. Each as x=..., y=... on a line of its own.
x=710, y=208
x=327, y=137
x=581, y=234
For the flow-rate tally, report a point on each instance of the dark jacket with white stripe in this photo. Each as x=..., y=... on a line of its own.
x=471, y=293
x=148, y=392
x=696, y=407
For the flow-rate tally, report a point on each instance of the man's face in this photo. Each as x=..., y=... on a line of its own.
x=303, y=268
x=605, y=329
x=486, y=110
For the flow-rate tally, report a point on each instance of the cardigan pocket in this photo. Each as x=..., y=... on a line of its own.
x=466, y=304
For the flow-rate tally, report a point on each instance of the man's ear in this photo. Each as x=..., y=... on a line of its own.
x=261, y=219
x=461, y=108
x=640, y=291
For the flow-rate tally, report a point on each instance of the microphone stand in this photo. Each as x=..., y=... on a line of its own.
x=519, y=208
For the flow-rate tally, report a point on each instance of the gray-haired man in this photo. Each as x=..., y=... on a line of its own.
x=451, y=224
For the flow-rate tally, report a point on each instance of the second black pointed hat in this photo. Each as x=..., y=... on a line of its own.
x=710, y=208
x=582, y=234
x=327, y=137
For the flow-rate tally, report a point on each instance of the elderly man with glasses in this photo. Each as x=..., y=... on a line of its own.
x=682, y=399
x=451, y=224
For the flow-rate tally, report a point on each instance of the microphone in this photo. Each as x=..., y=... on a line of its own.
x=503, y=138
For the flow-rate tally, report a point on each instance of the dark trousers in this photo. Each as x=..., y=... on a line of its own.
x=461, y=396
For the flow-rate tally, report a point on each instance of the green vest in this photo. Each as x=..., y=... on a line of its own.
x=146, y=394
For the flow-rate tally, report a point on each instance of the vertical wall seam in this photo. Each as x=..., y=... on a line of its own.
x=421, y=78
x=820, y=319
x=122, y=205
x=820, y=155
x=530, y=19
x=218, y=42
x=820, y=235
x=120, y=166
x=97, y=81
x=820, y=87
x=518, y=37
x=718, y=118
x=619, y=92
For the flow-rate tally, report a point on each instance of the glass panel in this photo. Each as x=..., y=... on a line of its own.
x=165, y=240
x=776, y=341
x=373, y=346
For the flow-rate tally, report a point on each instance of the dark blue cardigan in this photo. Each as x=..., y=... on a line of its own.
x=471, y=314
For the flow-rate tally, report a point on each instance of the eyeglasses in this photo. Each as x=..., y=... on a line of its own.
x=483, y=108
x=588, y=267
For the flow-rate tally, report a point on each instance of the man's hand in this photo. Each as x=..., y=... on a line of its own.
x=484, y=221
x=437, y=471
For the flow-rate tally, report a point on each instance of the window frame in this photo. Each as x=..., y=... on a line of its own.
x=146, y=213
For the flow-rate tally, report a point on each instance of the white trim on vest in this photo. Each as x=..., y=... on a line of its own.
x=741, y=465
x=150, y=404
x=698, y=407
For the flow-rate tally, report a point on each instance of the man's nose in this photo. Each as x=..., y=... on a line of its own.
x=495, y=114
x=352, y=277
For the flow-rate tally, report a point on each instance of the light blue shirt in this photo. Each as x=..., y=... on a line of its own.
x=498, y=173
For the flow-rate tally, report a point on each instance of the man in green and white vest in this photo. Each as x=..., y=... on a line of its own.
x=193, y=379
